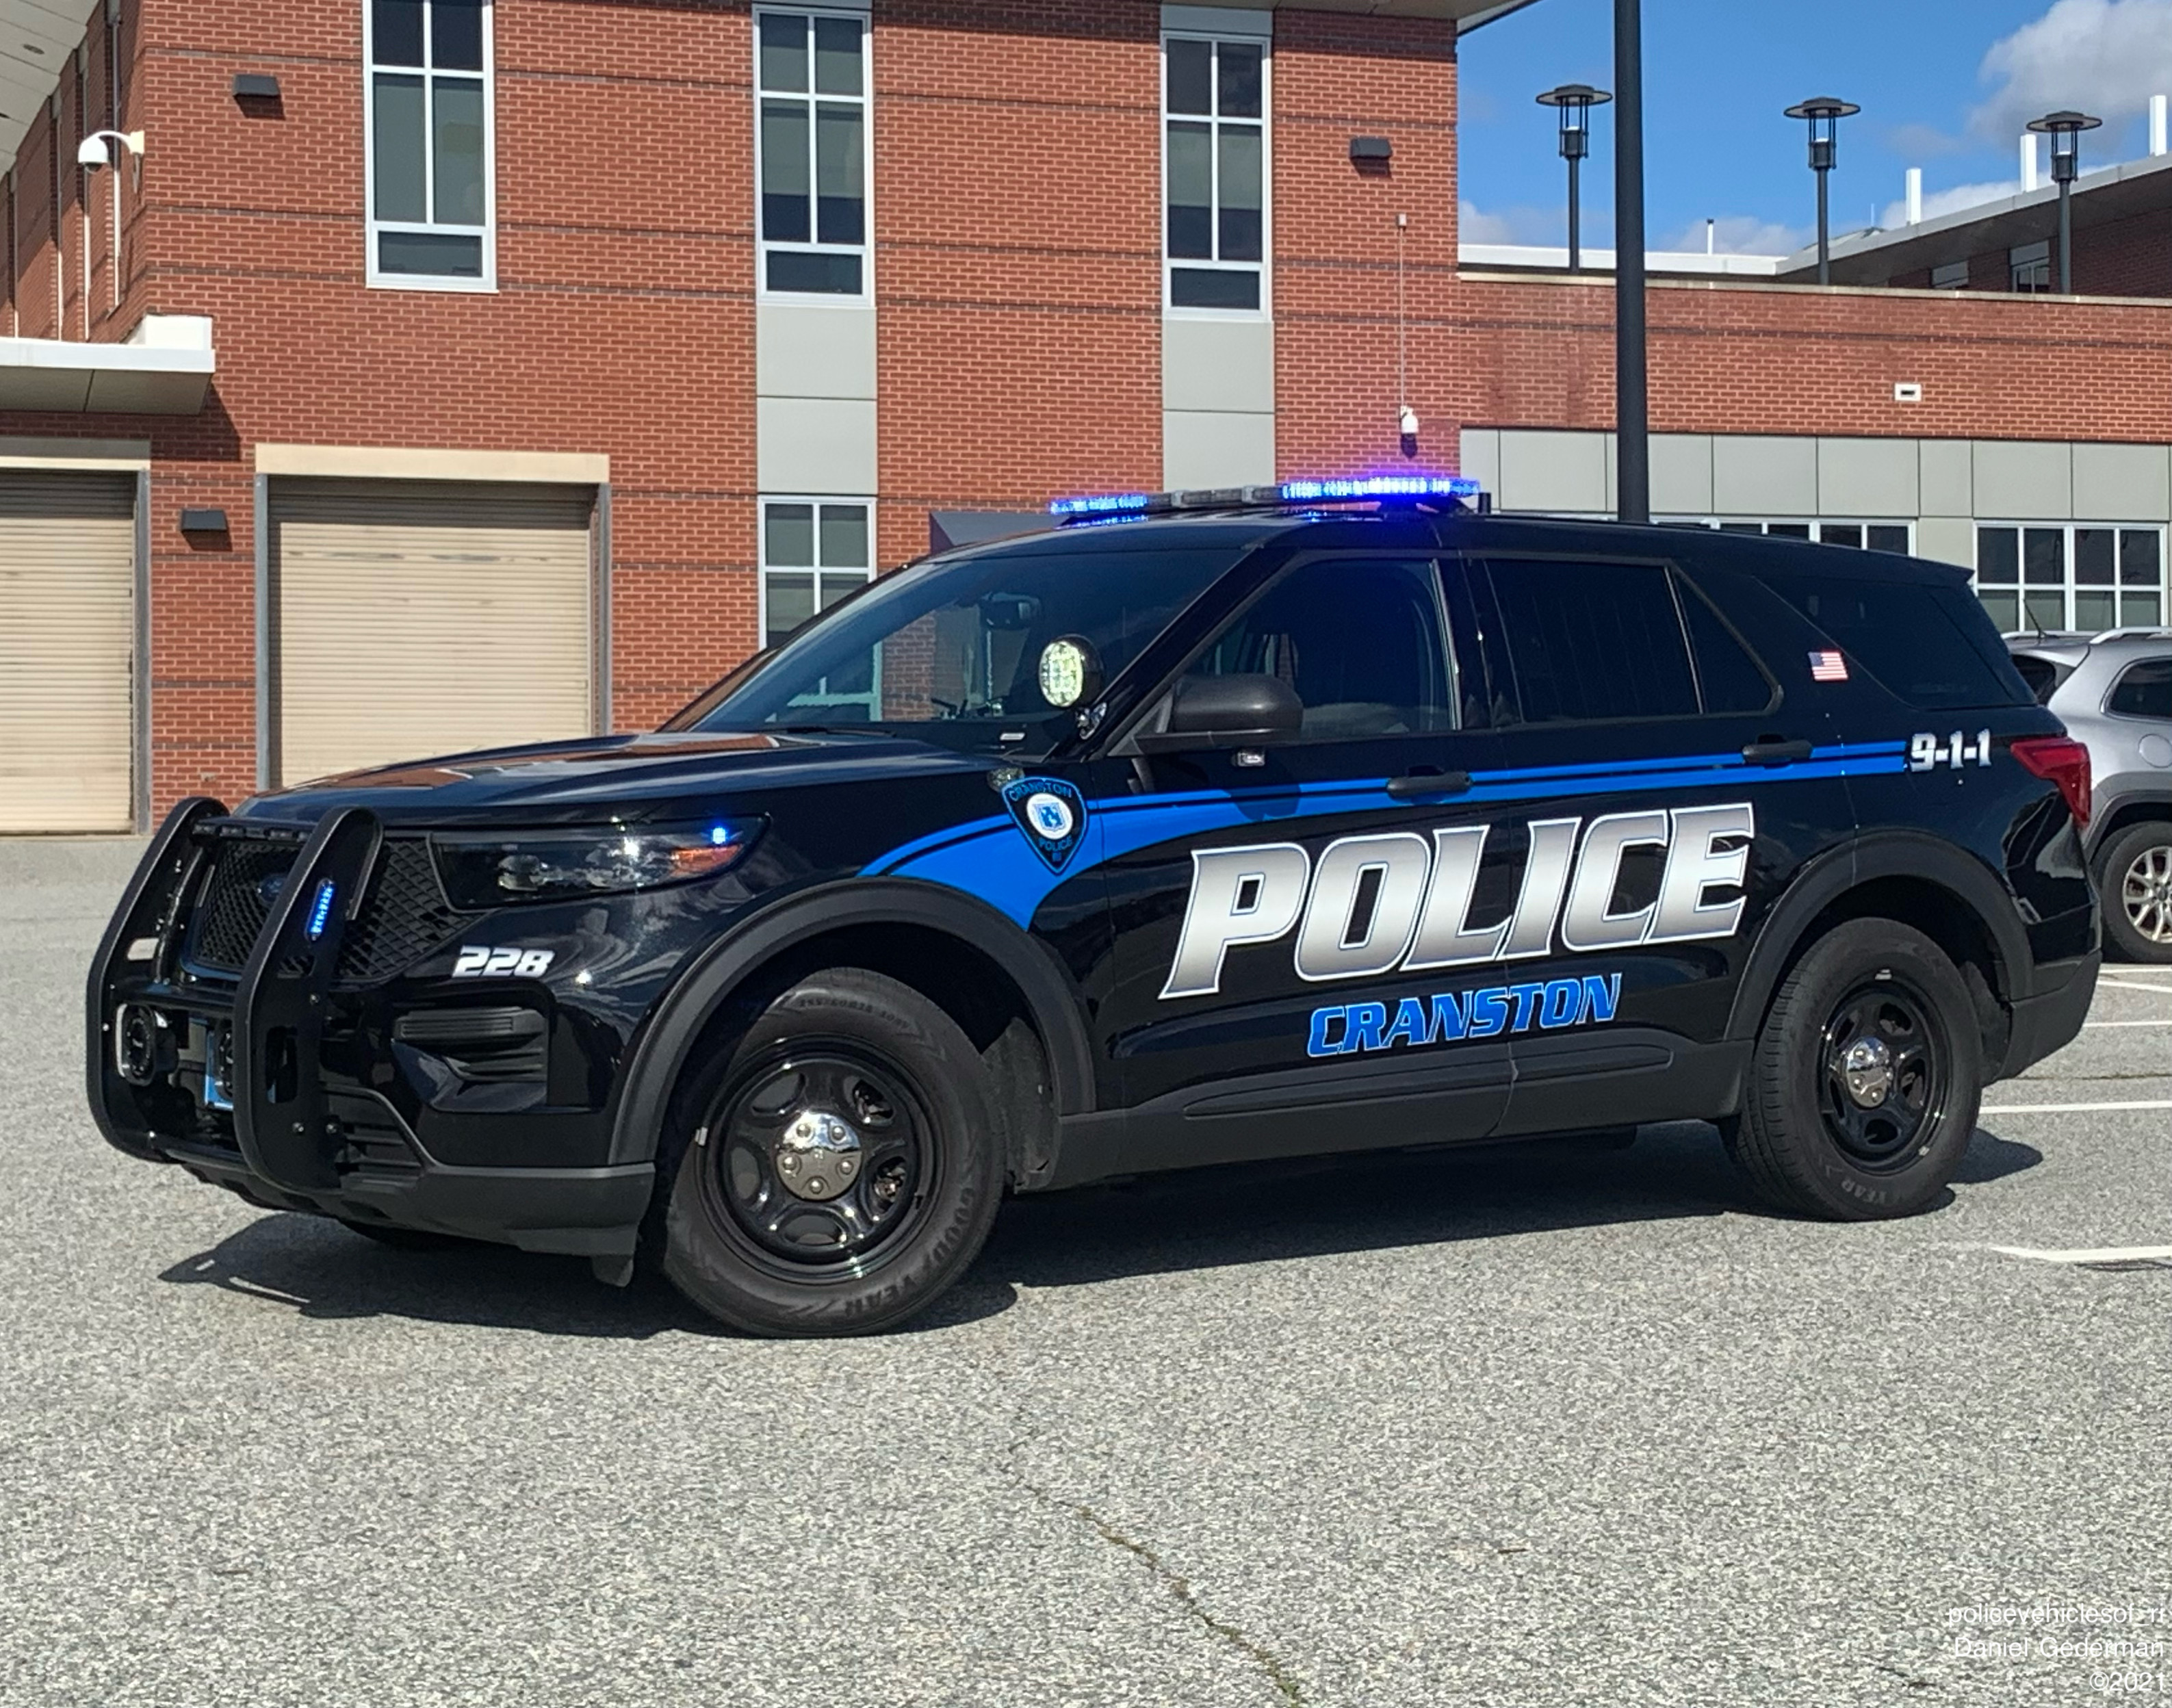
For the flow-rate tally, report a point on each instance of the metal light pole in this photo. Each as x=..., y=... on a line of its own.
x=2065, y=130
x=1825, y=115
x=1574, y=101
x=1633, y=443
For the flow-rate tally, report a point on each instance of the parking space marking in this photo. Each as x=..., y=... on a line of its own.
x=2134, y=985
x=2140, y=1256
x=2101, y=1025
x=2070, y=1108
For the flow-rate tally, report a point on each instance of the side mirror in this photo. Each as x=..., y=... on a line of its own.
x=1229, y=711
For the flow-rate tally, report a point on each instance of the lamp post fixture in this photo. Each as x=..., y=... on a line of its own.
x=2065, y=130
x=1632, y=440
x=1574, y=101
x=1825, y=115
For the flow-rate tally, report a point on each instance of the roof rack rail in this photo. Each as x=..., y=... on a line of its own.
x=1459, y=491
x=2145, y=632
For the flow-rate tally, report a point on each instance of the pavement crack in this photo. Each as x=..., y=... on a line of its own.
x=1277, y=1672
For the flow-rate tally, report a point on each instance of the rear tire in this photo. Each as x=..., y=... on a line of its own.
x=1866, y=1078
x=2134, y=885
x=843, y=1170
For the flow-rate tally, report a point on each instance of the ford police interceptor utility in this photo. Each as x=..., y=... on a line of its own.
x=1323, y=818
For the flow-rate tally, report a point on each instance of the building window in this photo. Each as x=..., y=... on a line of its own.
x=428, y=119
x=1864, y=536
x=2031, y=265
x=1954, y=276
x=2083, y=578
x=814, y=552
x=1215, y=173
x=811, y=145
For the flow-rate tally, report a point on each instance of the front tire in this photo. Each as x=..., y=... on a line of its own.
x=843, y=1169
x=1866, y=1078
x=2134, y=885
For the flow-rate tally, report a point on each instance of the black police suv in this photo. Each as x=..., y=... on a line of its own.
x=1196, y=830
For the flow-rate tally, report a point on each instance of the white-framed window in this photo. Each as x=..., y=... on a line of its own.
x=428, y=142
x=1215, y=179
x=2029, y=268
x=814, y=552
x=2082, y=577
x=814, y=152
x=1864, y=536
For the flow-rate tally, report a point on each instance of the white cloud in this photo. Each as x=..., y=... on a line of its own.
x=1740, y=233
x=2104, y=56
x=1542, y=226
x=1939, y=203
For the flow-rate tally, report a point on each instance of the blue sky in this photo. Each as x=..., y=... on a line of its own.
x=1943, y=84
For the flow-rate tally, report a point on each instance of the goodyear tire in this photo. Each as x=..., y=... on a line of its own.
x=2134, y=885
x=1865, y=1080
x=842, y=1169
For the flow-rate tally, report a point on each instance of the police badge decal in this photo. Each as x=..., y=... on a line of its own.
x=1052, y=814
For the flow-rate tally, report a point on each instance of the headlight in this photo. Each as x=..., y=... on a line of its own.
x=484, y=871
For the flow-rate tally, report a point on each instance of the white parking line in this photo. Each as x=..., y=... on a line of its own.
x=2108, y=1253
x=2068, y=1108
x=2100, y=1025
x=2134, y=985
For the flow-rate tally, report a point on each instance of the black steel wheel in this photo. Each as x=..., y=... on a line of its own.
x=1865, y=1080
x=841, y=1170
x=1884, y=1077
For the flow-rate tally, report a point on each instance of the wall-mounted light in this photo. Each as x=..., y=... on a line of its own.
x=255, y=85
x=1371, y=151
x=204, y=522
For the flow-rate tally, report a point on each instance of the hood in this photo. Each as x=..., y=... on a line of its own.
x=612, y=778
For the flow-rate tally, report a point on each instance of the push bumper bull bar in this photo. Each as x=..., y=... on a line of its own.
x=288, y=1140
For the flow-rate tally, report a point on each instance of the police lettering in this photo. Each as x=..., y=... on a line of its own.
x=1400, y=901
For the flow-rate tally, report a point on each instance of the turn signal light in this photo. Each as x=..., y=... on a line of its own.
x=2062, y=760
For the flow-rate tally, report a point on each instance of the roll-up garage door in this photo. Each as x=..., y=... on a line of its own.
x=419, y=620
x=68, y=652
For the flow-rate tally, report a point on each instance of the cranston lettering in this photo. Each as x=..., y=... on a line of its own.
x=1551, y=1005
x=1400, y=901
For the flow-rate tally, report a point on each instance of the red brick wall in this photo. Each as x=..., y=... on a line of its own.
x=1337, y=243
x=1780, y=359
x=1018, y=255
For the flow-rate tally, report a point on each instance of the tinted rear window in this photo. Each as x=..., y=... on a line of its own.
x=2144, y=691
x=1915, y=639
x=1588, y=642
x=2042, y=675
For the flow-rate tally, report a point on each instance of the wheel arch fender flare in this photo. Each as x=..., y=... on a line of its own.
x=664, y=1043
x=1886, y=854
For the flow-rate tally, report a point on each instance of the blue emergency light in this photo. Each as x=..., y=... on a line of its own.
x=1101, y=507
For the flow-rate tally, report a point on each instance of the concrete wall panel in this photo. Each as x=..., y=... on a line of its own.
x=815, y=444
x=814, y=351
x=1219, y=365
x=1753, y=476
x=1204, y=448
x=1681, y=475
x=2035, y=482
x=1554, y=471
x=2122, y=483
x=1869, y=477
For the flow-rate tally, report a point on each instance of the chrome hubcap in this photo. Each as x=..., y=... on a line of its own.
x=1865, y=1067
x=817, y=1156
x=2146, y=893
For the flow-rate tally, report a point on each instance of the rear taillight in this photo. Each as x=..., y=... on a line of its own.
x=2060, y=760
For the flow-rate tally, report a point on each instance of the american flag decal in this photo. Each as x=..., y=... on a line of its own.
x=1828, y=667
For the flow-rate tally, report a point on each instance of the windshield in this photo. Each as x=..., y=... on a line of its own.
x=952, y=650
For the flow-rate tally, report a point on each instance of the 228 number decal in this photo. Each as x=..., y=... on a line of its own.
x=476, y=963
x=1928, y=752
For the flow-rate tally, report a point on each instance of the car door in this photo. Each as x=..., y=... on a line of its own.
x=1672, y=787
x=1265, y=894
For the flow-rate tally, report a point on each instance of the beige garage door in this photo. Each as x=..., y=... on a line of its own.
x=420, y=620
x=68, y=652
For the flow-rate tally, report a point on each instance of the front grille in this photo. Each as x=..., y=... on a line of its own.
x=404, y=916
x=237, y=898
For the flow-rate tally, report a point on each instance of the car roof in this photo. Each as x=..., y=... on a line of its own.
x=1237, y=530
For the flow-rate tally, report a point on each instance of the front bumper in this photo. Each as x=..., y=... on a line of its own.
x=229, y=1080
x=2052, y=1018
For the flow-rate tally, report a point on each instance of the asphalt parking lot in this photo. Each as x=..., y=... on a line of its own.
x=1538, y=1426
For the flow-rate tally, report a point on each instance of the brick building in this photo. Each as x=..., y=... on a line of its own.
x=424, y=374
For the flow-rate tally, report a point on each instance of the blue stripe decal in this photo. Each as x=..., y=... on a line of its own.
x=990, y=858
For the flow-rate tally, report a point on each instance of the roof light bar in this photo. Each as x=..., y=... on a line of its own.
x=1118, y=506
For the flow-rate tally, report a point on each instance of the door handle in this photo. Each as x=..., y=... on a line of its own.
x=1418, y=784
x=1773, y=751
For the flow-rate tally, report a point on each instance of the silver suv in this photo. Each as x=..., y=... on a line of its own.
x=2114, y=693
